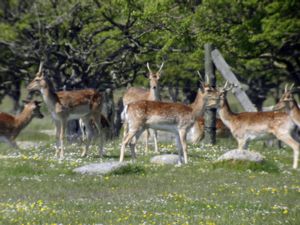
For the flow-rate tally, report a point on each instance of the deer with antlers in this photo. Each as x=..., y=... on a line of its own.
x=67, y=105
x=135, y=94
x=247, y=126
x=11, y=126
x=176, y=118
x=288, y=102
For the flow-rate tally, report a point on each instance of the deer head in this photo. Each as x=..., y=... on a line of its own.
x=154, y=77
x=34, y=106
x=211, y=95
x=286, y=99
x=223, y=92
x=39, y=81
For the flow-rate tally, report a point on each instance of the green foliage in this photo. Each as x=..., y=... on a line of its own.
x=108, y=43
x=7, y=33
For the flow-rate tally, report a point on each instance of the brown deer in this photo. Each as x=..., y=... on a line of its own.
x=176, y=118
x=247, y=126
x=288, y=102
x=11, y=126
x=135, y=94
x=67, y=105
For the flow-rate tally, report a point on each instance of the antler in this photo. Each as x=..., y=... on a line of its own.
x=286, y=88
x=207, y=78
x=149, y=67
x=225, y=88
x=200, y=76
x=41, y=66
x=161, y=67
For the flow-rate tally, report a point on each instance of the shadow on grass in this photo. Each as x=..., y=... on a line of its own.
x=240, y=165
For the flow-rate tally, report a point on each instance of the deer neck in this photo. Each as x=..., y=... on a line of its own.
x=293, y=111
x=225, y=113
x=23, y=119
x=49, y=97
x=198, y=105
x=154, y=94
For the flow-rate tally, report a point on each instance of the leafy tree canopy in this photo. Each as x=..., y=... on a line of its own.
x=106, y=43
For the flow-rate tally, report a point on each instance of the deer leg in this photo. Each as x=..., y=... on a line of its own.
x=89, y=133
x=132, y=144
x=182, y=136
x=82, y=130
x=61, y=137
x=12, y=143
x=57, y=137
x=126, y=140
x=101, y=135
x=155, y=141
x=179, y=148
x=125, y=129
x=242, y=144
x=147, y=141
x=287, y=139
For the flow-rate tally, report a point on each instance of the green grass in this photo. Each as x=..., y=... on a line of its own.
x=36, y=188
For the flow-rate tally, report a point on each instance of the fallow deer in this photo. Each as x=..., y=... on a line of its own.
x=176, y=118
x=135, y=94
x=67, y=105
x=288, y=102
x=11, y=126
x=247, y=126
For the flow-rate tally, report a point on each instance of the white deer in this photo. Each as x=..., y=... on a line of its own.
x=67, y=105
x=135, y=94
x=247, y=126
x=176, y=118
x=11, y=126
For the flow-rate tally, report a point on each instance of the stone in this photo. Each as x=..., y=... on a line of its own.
x=28, y=144
x=99, y=168
x=243, y=155
x=170, y=159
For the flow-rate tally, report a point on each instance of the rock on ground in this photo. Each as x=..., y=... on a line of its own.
x=99, y=168
x=170, y=159
x=244, y=155
x=28, y=144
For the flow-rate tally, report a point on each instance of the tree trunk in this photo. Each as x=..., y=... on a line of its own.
x=210, y=114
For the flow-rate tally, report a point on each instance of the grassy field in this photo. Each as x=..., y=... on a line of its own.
x=36, y=188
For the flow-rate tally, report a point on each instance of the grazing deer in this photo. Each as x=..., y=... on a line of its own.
x=11, y=126
x=176, y=118
x=135, y=94
x=67, y=105
x=247, y=126
x=197, y=130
